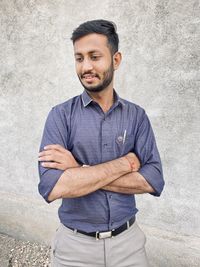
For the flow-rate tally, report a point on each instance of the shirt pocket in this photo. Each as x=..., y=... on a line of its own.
x=124, y=145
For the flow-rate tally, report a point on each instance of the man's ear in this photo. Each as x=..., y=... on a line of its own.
x=117, y=57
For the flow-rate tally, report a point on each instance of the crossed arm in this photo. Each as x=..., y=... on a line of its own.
x=119, y=175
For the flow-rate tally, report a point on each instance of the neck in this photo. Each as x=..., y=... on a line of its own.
x=105, y=98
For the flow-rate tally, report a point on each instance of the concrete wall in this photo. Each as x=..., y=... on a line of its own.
x=160, y=71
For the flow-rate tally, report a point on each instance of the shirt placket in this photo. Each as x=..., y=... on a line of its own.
x=107, y=136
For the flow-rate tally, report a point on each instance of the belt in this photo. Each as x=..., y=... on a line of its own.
x=114, y=232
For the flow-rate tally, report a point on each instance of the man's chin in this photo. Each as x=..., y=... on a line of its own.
x=94, y=89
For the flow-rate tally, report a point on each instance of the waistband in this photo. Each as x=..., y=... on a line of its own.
x=107, y=234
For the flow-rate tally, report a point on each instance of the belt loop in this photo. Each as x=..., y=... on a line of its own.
x=128, y=224
x=112, y=231
x=97, y=235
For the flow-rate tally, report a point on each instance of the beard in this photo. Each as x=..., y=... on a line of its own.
x=107, y=79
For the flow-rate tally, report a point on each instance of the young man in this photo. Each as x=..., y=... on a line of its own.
x=89, y=157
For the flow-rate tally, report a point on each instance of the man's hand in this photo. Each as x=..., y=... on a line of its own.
x=134, y=161
x=57, y=157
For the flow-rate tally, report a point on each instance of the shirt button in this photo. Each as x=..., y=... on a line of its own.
x=110, y=196
x=105, y=145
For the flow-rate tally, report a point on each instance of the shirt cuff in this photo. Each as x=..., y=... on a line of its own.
x=47, y=182
x=154, y=177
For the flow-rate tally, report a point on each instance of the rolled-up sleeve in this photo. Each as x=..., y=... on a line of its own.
x=147, y=151
x=55, y=132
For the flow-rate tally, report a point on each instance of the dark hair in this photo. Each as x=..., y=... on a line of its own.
x=105, y=27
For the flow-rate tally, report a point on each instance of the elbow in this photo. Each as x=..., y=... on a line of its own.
x=60, y=190
x=158, y=187
x=157, y=190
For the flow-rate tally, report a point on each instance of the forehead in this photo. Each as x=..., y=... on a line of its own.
x=91, y=42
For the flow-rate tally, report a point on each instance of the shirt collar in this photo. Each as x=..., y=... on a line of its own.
x=86, y=99
x=118, y=99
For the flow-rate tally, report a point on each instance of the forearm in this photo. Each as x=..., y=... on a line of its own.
x=131, y=183
x=76, y=182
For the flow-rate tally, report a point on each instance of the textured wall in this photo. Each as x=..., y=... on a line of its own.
x=159, y=40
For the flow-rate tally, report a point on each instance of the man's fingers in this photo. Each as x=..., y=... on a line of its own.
x=55, y=156
x=135, y=161
x=44, y=153
x=136, y=164
x=52, y=165
x=56, y=147
x=46, y=158
x=50, y=153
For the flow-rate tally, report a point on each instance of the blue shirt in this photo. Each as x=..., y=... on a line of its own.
x=94, y=137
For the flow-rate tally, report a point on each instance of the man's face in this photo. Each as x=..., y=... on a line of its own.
x=94, y=63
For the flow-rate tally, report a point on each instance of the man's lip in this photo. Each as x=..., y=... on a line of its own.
x=89, y=79
x=89, y=76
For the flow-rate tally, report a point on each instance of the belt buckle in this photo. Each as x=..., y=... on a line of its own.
x=103, y=235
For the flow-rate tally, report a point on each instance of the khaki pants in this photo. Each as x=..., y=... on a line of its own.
x=70, y=249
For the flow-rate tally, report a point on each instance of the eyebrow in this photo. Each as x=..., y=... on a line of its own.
x=90, y=52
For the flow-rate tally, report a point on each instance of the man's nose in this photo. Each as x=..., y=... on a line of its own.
x=86, y=65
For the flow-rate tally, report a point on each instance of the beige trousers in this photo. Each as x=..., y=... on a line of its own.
x=70, y=249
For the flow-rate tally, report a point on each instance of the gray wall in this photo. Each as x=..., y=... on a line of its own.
x=160, y=71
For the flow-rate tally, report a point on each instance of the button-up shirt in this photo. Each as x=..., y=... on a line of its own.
x=94, y=137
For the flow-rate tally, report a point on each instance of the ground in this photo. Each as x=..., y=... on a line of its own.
x=18, y=253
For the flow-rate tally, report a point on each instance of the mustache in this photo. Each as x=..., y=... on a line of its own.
x=89, y=73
